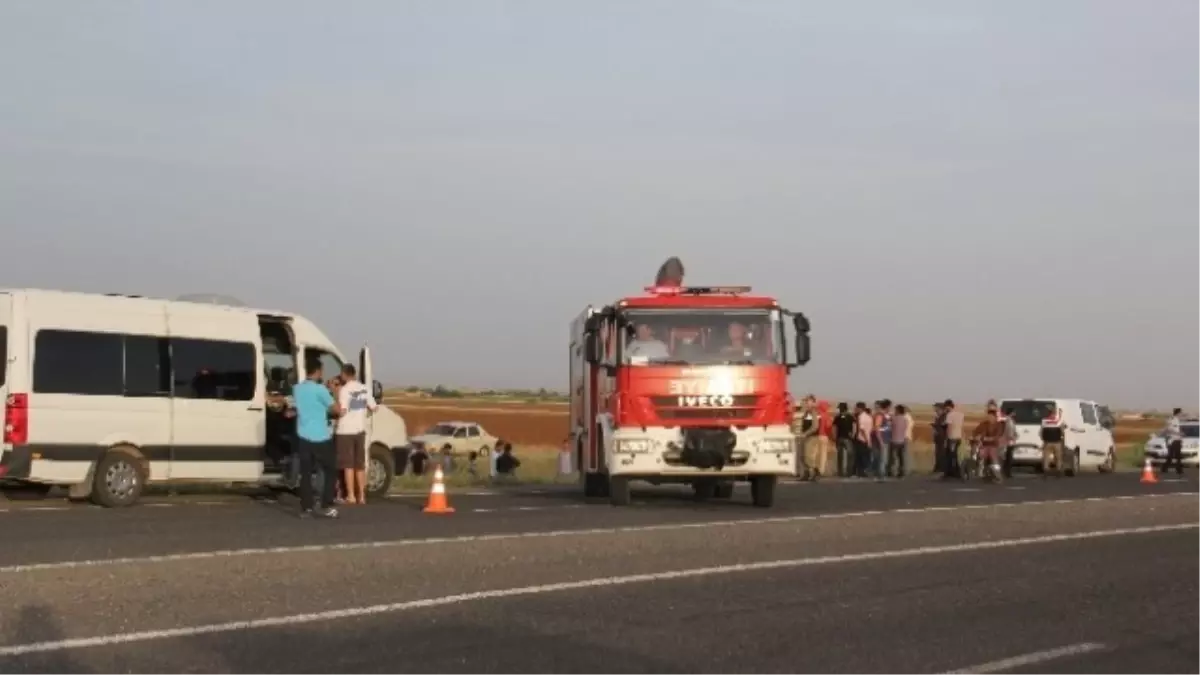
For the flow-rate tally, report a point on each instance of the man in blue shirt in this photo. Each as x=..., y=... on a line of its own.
x=314, y=440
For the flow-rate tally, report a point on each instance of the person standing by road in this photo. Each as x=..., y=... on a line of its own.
x=1052, y=441
x=901, y=437
x=1010, y=440
x=350, y=438
x=314, y=441
x=819, y=441
x=955, y=421
x=863, y=429
x=939, y=437
x=1174, y=436
x=882, y=424
x=843, y=433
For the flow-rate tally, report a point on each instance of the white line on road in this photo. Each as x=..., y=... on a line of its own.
x=602, y=582
x=1032, y=658
x=543, y=534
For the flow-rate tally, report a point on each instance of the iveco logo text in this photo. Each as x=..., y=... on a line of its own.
x=721, y=401
x=712, y=387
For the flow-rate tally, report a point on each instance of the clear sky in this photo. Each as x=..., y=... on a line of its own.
x=969, y=199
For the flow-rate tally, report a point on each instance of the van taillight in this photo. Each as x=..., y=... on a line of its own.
x=16, y=419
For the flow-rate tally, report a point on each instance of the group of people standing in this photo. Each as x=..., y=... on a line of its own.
x=331, y=432
x=869, y=442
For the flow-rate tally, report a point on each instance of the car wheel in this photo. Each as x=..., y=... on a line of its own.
x=1072, y=466
x=619, y=493
x=1110, y=462
x=762, y=491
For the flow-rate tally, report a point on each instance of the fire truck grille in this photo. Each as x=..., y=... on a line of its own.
x=705, y=408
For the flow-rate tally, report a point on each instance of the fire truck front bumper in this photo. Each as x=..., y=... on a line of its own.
x=676, y=452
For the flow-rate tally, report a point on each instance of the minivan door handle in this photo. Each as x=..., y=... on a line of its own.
x=256, y=408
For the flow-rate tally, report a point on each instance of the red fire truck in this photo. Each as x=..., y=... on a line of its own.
x=685, y=385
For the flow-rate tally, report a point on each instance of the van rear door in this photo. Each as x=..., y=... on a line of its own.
x=366, y=376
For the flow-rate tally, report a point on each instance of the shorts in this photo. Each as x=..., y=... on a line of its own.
x=351, y=451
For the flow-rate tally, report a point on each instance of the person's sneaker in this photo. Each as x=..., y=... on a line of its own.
x=329, y=512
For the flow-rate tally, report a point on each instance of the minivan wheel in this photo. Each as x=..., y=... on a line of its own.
x=380, y=471
x=119, y=480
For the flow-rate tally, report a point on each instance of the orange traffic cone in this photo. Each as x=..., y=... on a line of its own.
x=1148, y=473
x=437, y=495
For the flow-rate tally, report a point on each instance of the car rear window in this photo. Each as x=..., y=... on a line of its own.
x=1028, y=411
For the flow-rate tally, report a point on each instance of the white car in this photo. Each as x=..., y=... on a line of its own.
x=1156, y=445
x=455, y=438
x=1088, y=439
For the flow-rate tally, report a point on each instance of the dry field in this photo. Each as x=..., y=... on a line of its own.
x=545, y=424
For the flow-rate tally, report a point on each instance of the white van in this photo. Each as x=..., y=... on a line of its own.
x=106, y=393
x=1088, y=438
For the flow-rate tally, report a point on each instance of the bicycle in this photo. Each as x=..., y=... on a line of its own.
x=973, y=466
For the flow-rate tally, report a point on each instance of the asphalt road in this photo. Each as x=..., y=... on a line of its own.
x=1093, y=574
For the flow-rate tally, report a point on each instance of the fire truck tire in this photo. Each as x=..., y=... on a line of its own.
x=724, y=490
x=595, y=485
x=704, y=489
x=762, y=491
x=619, y=493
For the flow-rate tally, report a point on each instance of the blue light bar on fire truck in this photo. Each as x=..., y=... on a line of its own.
x=697, y=290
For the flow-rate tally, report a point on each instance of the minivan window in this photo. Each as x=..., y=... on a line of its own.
x=331, y=366
x=213, y=369
x=1028, y=411
x=1089, y=413
x=147, y=366
x=78, y=362
x=3, y=353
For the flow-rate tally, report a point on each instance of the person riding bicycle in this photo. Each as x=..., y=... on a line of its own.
x=992, y=435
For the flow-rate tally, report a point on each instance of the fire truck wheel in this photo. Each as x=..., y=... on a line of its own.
x=618, y=491
x=595, y=485
x=724, y=490
x=704, y=489
x=762, y=491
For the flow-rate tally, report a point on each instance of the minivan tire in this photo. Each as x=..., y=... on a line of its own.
x=381, y=459
x=1110, y=462
x=119, y=480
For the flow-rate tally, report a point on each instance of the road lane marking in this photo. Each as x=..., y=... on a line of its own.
x=586, y=584
x=1033, y=658
x=473, y=538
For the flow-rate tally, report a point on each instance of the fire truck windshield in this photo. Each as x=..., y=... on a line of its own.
x=701, y=337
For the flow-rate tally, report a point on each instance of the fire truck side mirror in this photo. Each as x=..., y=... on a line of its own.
x=803, y=344
x=591, y=348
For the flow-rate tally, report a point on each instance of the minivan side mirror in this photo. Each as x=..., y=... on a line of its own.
x=377, y=391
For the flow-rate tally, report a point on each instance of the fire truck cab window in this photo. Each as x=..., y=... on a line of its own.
x=706, y=337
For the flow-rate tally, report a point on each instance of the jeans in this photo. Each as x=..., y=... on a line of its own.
x=898, y=454
x=845, y=457
x=878, y=457
x=951, y=462
x=312, y=454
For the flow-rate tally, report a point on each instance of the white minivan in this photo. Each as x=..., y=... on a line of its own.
x=1088, y=438
x=106, y=393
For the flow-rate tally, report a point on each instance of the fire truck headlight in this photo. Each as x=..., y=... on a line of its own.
x=775, y=445
x=633, y=445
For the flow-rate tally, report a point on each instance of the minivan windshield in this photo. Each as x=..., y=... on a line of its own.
x=441, y=430
x=1028, y=411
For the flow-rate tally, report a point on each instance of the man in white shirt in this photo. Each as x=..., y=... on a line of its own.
x=1173, y=433
x=350, y=435
x=645, y=345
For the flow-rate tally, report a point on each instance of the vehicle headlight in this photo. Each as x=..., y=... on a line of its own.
x=775, y=445
x=633, y=445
